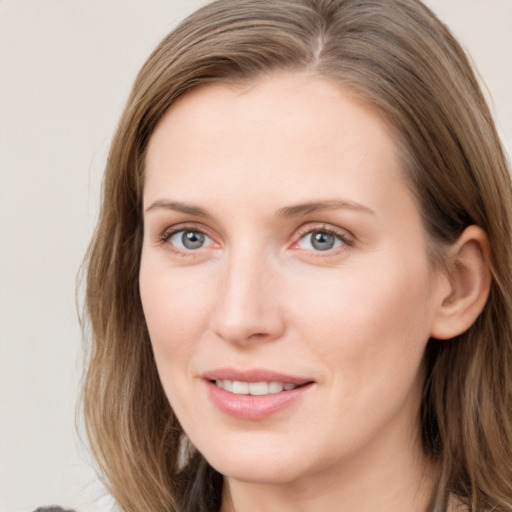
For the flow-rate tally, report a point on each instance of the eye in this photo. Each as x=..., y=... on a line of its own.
x=320, y=240
x=189, y=239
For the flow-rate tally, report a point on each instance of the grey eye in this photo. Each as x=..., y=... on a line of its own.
x=192, y=239
x=320, y=241
x=188, y=239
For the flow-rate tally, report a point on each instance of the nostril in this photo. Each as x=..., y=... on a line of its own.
x=258, y=335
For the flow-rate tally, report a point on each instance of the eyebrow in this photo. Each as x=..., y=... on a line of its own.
x=315, y=206
x=189, y=209
x=285, y=212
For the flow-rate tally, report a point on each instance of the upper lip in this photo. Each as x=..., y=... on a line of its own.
x=254, y=375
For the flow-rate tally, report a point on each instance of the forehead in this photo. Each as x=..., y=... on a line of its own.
x=295, y=134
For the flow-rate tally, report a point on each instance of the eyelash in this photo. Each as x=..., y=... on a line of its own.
x=346, y=239
x=182, y=228
x=343, y=236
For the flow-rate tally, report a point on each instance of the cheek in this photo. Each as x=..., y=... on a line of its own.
x=177, y=314
x=368, y=331
x=372, y=321
x=176, y=308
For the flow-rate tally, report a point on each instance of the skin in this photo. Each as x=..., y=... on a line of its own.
x=354, y=319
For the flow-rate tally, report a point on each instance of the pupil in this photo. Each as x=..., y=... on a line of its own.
x=322, y=241
x=192, y=239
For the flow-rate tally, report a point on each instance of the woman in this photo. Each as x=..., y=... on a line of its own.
x=299, y=286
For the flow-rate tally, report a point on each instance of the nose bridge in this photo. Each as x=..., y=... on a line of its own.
x=247, y=307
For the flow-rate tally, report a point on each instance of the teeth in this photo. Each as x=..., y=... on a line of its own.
x=240, y=388
x=275, y=387
x=254, y=388
x=258, y=388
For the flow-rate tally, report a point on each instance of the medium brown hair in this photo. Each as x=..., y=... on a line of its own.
x=398, y=57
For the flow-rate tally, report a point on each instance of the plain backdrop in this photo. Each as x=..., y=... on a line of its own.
x=66, y=67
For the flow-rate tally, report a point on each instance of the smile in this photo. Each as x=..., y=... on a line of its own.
x=254, y=388
x=254, y=394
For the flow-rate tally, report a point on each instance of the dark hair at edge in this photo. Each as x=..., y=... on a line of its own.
x=396, y=56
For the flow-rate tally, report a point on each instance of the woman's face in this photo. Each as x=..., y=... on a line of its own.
x=285, y=280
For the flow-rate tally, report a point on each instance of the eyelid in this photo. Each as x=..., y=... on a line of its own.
x=183, y=226
x=165, y=236
x=344, y=235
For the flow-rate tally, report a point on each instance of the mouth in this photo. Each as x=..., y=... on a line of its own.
x=262, y=388
x=254, y=394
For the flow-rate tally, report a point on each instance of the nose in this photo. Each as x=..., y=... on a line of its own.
x=248, y=306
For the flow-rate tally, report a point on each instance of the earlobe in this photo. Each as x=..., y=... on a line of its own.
x=469, y=281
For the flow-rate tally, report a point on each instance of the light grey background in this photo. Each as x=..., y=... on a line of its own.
x=66, y=67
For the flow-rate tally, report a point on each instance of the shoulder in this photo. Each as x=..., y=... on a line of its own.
x=53, y=509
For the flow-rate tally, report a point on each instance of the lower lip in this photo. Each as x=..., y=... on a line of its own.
x=254, y=407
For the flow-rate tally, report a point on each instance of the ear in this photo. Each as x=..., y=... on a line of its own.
x=469, y=282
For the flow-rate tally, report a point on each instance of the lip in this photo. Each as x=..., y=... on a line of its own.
x=254, y=375
x=254, y=407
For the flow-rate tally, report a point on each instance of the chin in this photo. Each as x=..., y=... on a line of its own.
x=262, y=466
x=260, y=473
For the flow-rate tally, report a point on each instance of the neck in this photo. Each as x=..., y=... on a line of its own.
x=380, y=479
